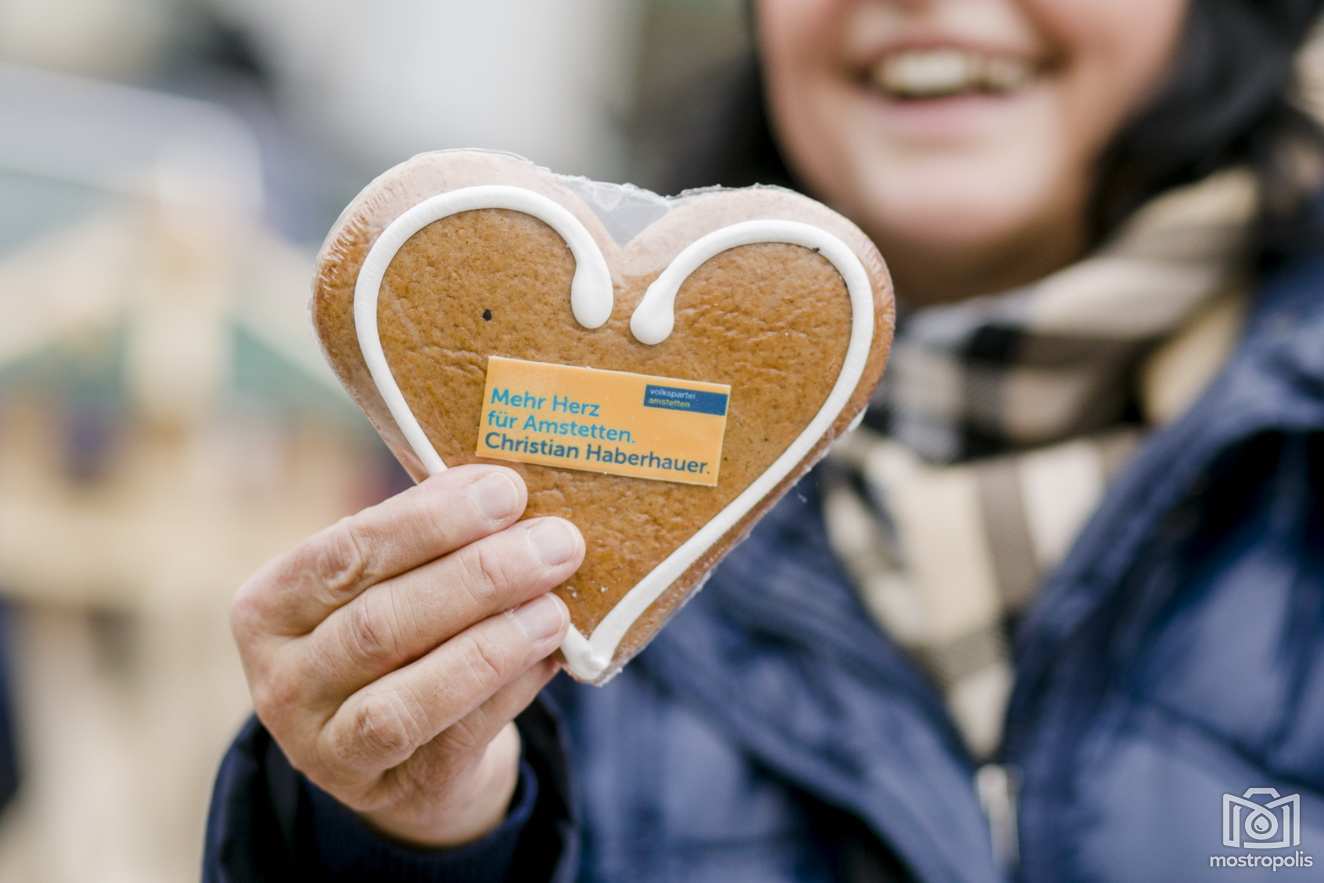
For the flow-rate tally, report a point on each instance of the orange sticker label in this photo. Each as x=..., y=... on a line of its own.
x=603, y=421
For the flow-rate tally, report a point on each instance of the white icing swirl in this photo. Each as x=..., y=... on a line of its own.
x=655, y=317
x=590, y=289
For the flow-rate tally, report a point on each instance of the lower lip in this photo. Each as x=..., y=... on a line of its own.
x=947, y=119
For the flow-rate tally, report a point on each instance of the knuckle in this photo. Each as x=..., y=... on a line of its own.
x=484, y=662
x=380, y=728
x=370, y=636
x=339, y=562
x=274, y=696
x=484, y=574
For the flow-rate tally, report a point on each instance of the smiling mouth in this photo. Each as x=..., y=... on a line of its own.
x=928, y=74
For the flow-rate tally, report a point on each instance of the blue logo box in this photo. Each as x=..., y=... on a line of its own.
x=695, y=401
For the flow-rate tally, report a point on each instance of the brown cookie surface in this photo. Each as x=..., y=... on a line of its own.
x=771, y=320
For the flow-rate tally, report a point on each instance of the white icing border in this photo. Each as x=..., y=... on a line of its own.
x=590, y=290
x=652, y=322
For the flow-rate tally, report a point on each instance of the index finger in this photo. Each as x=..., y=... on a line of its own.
x=296, y=591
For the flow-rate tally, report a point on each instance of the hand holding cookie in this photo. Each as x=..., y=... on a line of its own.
x=389, y=653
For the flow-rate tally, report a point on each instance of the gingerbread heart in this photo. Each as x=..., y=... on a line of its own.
x=660, y=371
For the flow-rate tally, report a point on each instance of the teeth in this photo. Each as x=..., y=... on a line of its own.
x=928, y=73
x=938, y=72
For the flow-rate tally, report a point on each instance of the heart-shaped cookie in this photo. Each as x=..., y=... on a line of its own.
x=751, y=326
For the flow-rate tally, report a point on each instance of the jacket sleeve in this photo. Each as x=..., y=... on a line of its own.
x=268, y=822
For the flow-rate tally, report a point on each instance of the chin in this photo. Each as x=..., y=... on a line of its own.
x=976, y=208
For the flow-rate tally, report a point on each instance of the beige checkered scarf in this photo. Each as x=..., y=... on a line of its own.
x=1002, y=418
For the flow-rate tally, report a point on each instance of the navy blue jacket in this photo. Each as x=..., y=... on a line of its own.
x=772, y=733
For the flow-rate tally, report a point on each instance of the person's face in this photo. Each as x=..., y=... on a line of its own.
x=962, y=135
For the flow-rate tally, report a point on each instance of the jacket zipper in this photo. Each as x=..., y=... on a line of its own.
x=996, y=785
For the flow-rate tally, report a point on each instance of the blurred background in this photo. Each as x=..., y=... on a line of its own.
x=167, y=170
x=167, y=423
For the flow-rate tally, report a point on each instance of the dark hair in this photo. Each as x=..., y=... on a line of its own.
x=1229, y=100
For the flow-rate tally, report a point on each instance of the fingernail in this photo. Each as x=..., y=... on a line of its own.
x=497, y=496
x=554, y=540
x=542, y=617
